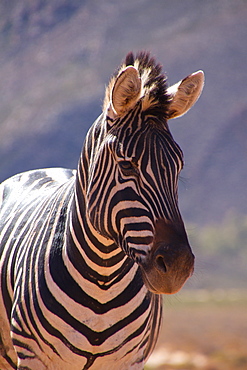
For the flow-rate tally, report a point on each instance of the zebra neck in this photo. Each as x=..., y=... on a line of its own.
x=98, y=259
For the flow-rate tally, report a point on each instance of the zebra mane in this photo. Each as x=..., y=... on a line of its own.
x=155, y=99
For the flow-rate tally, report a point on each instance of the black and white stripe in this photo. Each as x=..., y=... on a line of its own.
x=83, y=253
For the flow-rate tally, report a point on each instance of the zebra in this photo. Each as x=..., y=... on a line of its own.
x=86, y=255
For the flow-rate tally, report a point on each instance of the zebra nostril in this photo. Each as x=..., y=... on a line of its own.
x=160, y=263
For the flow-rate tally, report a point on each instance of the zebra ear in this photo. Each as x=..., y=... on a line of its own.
x=184, y=94
x=126, y=90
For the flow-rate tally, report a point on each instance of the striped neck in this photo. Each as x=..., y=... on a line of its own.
x=96, y=257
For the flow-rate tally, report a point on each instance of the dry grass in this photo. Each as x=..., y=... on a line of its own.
x=208, y=334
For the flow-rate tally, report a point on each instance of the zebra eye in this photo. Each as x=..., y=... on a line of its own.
x=126, y=165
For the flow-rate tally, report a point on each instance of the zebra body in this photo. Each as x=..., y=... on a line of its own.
x=86, y=254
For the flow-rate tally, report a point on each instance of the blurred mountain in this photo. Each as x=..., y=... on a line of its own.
x=57, y=56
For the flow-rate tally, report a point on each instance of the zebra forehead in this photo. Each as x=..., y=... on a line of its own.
x=155, y=98
x=149, y=141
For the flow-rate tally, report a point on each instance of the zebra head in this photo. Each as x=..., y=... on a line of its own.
x=133, y=166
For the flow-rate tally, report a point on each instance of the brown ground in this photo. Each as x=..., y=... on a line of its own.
x=208, y=335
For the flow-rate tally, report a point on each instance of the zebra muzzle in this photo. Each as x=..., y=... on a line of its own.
x=171, y=260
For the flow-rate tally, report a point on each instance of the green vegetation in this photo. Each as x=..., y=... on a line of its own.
x=221, y=253
x=228, y=237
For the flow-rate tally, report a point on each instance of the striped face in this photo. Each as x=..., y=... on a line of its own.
x=140, y=163
x=133, y=167
x=133, y=191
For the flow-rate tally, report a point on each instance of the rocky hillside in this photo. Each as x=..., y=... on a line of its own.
x=57, y=56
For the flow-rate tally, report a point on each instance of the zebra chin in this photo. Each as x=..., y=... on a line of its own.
x=171, y=261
